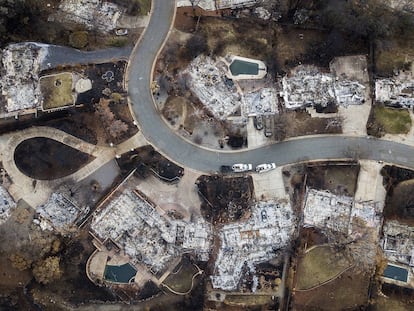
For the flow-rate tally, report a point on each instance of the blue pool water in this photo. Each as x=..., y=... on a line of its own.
x=119, y=274
x=396, y=273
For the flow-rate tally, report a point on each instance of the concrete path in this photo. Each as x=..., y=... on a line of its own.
x=36, y=192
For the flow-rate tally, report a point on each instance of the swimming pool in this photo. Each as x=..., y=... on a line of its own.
x=240, y=67
x=396, y=273
x=120, y=274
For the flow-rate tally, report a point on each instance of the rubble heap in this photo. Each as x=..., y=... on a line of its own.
x=211, y=5
x=59, y=211
x=398, y=243
x=268, y=230
x=6, y=204
x=148, y=237
x=395, y=92
x=94, y=14
x=308, y=86
x=20, y=75
x=328, y=211
x=208, y=81
x=261, y=102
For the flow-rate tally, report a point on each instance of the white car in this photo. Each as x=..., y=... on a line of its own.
x=241, y=167
x=265, y=167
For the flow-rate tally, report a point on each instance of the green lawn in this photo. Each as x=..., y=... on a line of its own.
x=392, y=120
x=56, y=90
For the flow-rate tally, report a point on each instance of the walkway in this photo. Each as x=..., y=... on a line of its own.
x=36, y=192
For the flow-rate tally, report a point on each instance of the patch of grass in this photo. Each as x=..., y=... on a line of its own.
x=181, y=280
x=247, y=300
x=319, y=265
x=392, y=120
x=118, y=42
x=144, y=6
x=56, y=90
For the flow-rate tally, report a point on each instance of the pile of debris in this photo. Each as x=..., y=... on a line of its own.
x=395, y=92
x=261, y=102
x=20, y=76
x=398, y=243
x=328, y=211
x=148, y=237
x=6, y=204
x=345, y=222
x=261, y=238
x=306, y=85
x=94, y=14
x=59, y=212
x=212, y=5
x=208, y=81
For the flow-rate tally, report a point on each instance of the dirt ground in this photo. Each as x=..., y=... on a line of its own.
x=347, y=292
x=396, y=299
x=393, y=55
x=300, y=123
x=225, y=199
x=180, y=280
x=192, y=121
x=312, y=236
x=148, y=161
x=399, y=183
x=320, y=265
x=339, y=178
x=45, y=159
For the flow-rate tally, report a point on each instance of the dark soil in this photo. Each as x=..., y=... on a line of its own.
x=81, y=124
x=403, y=293
x=311, y=237
x=339, y=178
x=45, y=159
x=96, y=73
x=399, y=203
x=225, y=198
x=146, y=160
x=393, y=175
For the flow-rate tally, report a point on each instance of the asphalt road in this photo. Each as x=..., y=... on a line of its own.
x=188, y=155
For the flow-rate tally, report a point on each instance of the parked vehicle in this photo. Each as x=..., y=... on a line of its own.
x=121, y=32
x=265, y=167
x=241, y=167
x=268, y=126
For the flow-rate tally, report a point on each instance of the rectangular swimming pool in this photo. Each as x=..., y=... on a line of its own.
x=239, y=67
x=396, y=273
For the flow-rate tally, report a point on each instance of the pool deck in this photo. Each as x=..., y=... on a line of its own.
x=229, y=59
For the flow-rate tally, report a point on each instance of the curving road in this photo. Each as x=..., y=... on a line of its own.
x=185, y=153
